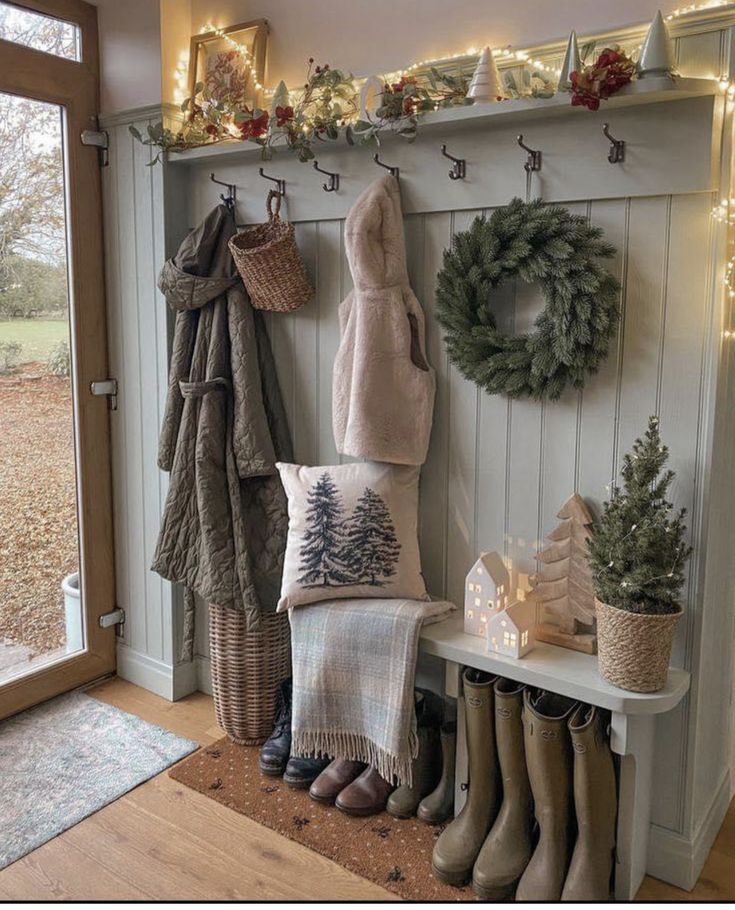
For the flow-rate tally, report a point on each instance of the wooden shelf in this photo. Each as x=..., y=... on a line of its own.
x=560, y=670
x=644, y=91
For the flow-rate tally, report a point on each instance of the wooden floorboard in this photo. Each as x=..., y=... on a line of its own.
x=163, y=841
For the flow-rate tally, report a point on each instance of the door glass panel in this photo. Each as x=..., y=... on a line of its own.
x=40, y=605
x=42, y=33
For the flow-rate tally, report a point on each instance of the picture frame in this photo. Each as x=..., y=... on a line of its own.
x=214, y=62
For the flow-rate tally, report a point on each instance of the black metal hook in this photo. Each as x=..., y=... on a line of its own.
x=533, y=162
x=280, y=184
x=333, y=184
x=231, y=198
x=394, y=171
x=616, y=155
x=459, y=165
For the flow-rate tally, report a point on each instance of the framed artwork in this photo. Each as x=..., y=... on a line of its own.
x=225, y=71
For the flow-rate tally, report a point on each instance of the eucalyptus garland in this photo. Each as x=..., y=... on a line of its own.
x=536, y=243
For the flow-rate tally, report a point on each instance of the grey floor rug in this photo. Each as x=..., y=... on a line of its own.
x=65, y=759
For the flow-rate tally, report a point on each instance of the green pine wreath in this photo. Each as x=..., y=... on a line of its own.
x=536, y=243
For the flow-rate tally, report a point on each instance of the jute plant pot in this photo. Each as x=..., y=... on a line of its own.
x=633, y=649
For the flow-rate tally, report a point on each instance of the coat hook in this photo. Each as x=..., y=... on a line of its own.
x=280, y=184
x=533, y=162
x=616, y=155
x=459, y=165
x=394, y=171
x=231, y=198
x=333, y=179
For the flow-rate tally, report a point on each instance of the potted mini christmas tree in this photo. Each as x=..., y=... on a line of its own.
x=638, y=552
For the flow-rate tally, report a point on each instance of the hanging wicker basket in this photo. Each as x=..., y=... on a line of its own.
x=247, y=668
x=270, y=264
x=633, y=649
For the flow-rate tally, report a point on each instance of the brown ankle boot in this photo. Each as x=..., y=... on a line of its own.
x=334, y=778
x=549, y=761
x=456, y=850
x=596, y=804
x=438, y=806
x=366, y=795
x=508, y=847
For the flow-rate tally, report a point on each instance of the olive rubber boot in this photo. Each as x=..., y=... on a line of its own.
x=549, y=762
x=438, y=806
x=509, y=845
x=456, y=850
x=426, y=767
x=595, y=801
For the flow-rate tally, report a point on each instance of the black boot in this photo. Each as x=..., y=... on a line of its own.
x=302, y=772
x=275, y=751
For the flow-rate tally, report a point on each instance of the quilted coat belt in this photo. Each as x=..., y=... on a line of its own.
x=198, y=389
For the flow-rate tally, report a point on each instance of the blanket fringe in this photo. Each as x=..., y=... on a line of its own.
x=357, y=747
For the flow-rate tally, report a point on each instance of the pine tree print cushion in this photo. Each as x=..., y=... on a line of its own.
x=352, y=532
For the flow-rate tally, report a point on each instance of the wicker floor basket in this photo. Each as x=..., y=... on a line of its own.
x=247, y=668
x=633, y=649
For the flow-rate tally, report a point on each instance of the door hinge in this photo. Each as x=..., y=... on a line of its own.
x=100, y=139
x=115, y=618
x=106, y=387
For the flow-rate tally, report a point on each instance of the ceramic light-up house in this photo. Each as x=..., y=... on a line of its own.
x=510, y=631
x=487, y=590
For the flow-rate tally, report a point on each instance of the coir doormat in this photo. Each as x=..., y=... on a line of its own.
x=391, y=852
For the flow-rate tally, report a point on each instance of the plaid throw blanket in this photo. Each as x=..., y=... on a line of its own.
x=354, y=665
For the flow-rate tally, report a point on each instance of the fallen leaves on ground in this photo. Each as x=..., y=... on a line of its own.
x=38, y=521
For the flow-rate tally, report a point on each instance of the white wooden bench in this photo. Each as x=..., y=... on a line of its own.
x=574, y=675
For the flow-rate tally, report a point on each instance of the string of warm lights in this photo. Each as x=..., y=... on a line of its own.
x=697, y=8
x=503, y=55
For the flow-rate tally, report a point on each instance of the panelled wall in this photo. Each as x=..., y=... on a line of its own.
x=497, y=470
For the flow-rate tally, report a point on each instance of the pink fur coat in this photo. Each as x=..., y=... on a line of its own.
x=383, y=386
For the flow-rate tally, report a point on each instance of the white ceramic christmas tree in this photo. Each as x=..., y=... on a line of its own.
x=486, y=84
x=572, y=63
x=657, y=53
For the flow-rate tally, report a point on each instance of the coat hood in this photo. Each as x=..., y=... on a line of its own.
x=376, y=249
x=199, y=272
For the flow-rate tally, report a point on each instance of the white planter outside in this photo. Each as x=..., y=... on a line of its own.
x=73, y=613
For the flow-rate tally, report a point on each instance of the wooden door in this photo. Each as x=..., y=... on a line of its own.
x=49, y=75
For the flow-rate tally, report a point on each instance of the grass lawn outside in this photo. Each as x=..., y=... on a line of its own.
x=38, y=336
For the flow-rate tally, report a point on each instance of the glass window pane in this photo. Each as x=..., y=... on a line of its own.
x=42, y=33
x=41, y=605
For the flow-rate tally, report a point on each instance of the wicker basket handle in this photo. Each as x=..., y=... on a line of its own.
x=273, y=194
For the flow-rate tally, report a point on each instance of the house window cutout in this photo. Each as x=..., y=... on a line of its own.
x=524, y=639
x=478, y=602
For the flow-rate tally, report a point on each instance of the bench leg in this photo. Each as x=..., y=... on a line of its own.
x=631, y=737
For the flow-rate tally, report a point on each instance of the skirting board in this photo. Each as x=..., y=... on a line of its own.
x=673, y=858
x=170, y=682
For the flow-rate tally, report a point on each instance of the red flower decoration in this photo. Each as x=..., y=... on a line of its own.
x=255, y=127
x=284, y=115
x=607, y=75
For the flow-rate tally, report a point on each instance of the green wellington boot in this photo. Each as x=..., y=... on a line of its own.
x=508, y=847
x=438, y=806
x=549, y=761
x=456, y=850
x=426, y=767
x=596, y=805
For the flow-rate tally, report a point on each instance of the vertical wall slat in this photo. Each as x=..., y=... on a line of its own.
x=433, y=508
x=308, y=372
x=149, y=417
x=464, y=399
x=129, y=402
x=328, y=295
x=598, y=423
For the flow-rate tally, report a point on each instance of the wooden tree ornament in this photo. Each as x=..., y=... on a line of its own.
x=563, y=587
